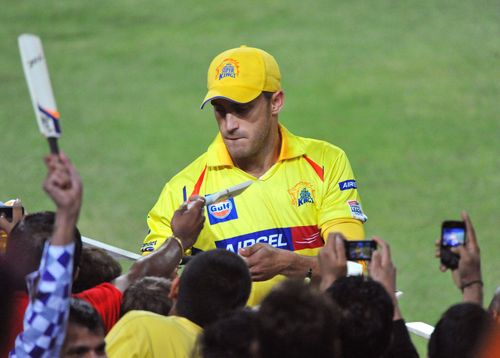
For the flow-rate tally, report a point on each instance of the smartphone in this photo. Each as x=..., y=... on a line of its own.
x=452, y=235
x=7, y=211
x=359, y=250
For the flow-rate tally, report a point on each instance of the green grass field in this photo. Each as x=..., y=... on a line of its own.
x=410, y=90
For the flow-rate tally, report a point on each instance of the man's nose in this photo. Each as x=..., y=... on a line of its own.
x=232, y=122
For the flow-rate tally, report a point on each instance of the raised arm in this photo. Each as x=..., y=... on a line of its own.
x=46, y=316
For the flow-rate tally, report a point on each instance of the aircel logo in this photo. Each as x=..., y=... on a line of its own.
x=348, y=184
x=221, y=210
x=280, y=238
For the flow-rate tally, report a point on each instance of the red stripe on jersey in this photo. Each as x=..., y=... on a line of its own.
x=306, y=237
x=197, y=186
x=319, y=170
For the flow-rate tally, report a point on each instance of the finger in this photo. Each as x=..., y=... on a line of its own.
x=59, y=179
x=330, y=244
x=375, y=262
x=340, y=248
x=385, y=250
x=197, y=198
x=459, y=250
x=471, y=233
x=17, y=211
x=443, y=268
x=74, y=176
x=250, y=250
x=195, y=206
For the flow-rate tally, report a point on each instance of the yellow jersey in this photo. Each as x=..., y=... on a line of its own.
x=146, y=334
x=309, y=192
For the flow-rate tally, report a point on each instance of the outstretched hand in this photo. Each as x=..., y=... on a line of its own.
x=187, y=221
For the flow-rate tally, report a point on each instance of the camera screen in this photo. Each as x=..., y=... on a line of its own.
x=360, y=250
x=453, y=236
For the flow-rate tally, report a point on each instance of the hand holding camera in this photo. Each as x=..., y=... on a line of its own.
x=458, y=250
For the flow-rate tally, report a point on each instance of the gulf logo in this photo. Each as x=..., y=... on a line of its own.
x=221, y=210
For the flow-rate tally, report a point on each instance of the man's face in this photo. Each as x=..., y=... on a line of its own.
x=246, y=128
x=81, y=342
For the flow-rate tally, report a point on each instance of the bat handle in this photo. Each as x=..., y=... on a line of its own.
x=54, y=148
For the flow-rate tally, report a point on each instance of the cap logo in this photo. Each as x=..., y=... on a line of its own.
x=228, y=68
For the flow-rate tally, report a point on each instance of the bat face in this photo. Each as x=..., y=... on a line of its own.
x=37, y=77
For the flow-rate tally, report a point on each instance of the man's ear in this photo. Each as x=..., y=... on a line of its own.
x=277, y=102
x=174, y=289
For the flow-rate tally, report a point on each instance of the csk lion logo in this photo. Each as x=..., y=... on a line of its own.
x=228, y=68
x=302, y=193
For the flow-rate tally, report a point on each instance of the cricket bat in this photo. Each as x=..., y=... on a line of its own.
x=42, y=97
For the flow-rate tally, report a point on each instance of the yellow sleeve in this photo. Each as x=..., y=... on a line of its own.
x=352, y=229
x=341, y=202
x=159, y=221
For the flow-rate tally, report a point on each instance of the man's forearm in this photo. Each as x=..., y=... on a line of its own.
x=299, y=266
x=162, y=263
x=64, y=228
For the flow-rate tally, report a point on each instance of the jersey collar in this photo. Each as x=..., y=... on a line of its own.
x=291, y=147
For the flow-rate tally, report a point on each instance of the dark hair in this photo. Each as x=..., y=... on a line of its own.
x=6, y=298
x=96, y=266
x=366, y=316
x=26, y=241
x=213, y=283
x=82, y=313
x=267, y=95
x=459, y=332
x=494, y=307
x=296, y=321
x=230, y=337
x=148, y=294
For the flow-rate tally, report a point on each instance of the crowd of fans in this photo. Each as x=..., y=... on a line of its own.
x=59, y=299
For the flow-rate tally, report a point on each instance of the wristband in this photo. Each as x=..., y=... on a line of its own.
x=179, y=242
x=465, y=285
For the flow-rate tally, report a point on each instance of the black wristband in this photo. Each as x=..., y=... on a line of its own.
x=465, y=285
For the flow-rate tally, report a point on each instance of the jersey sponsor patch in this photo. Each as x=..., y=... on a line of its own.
x=302, y=193
x=222, y=212
x=148, y=246
x=356, y=210
x=348, y=184
x=290, y=238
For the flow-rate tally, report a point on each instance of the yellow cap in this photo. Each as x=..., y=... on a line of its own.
x=242, y=74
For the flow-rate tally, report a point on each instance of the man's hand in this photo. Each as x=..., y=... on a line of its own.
x=382, y=270
x=188, y=220
x=263, y=261
x=469, y=264
x=332, y=260
x=17, y=215
x=63, y=184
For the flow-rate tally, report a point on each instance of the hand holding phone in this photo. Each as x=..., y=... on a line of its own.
x=452, y=235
